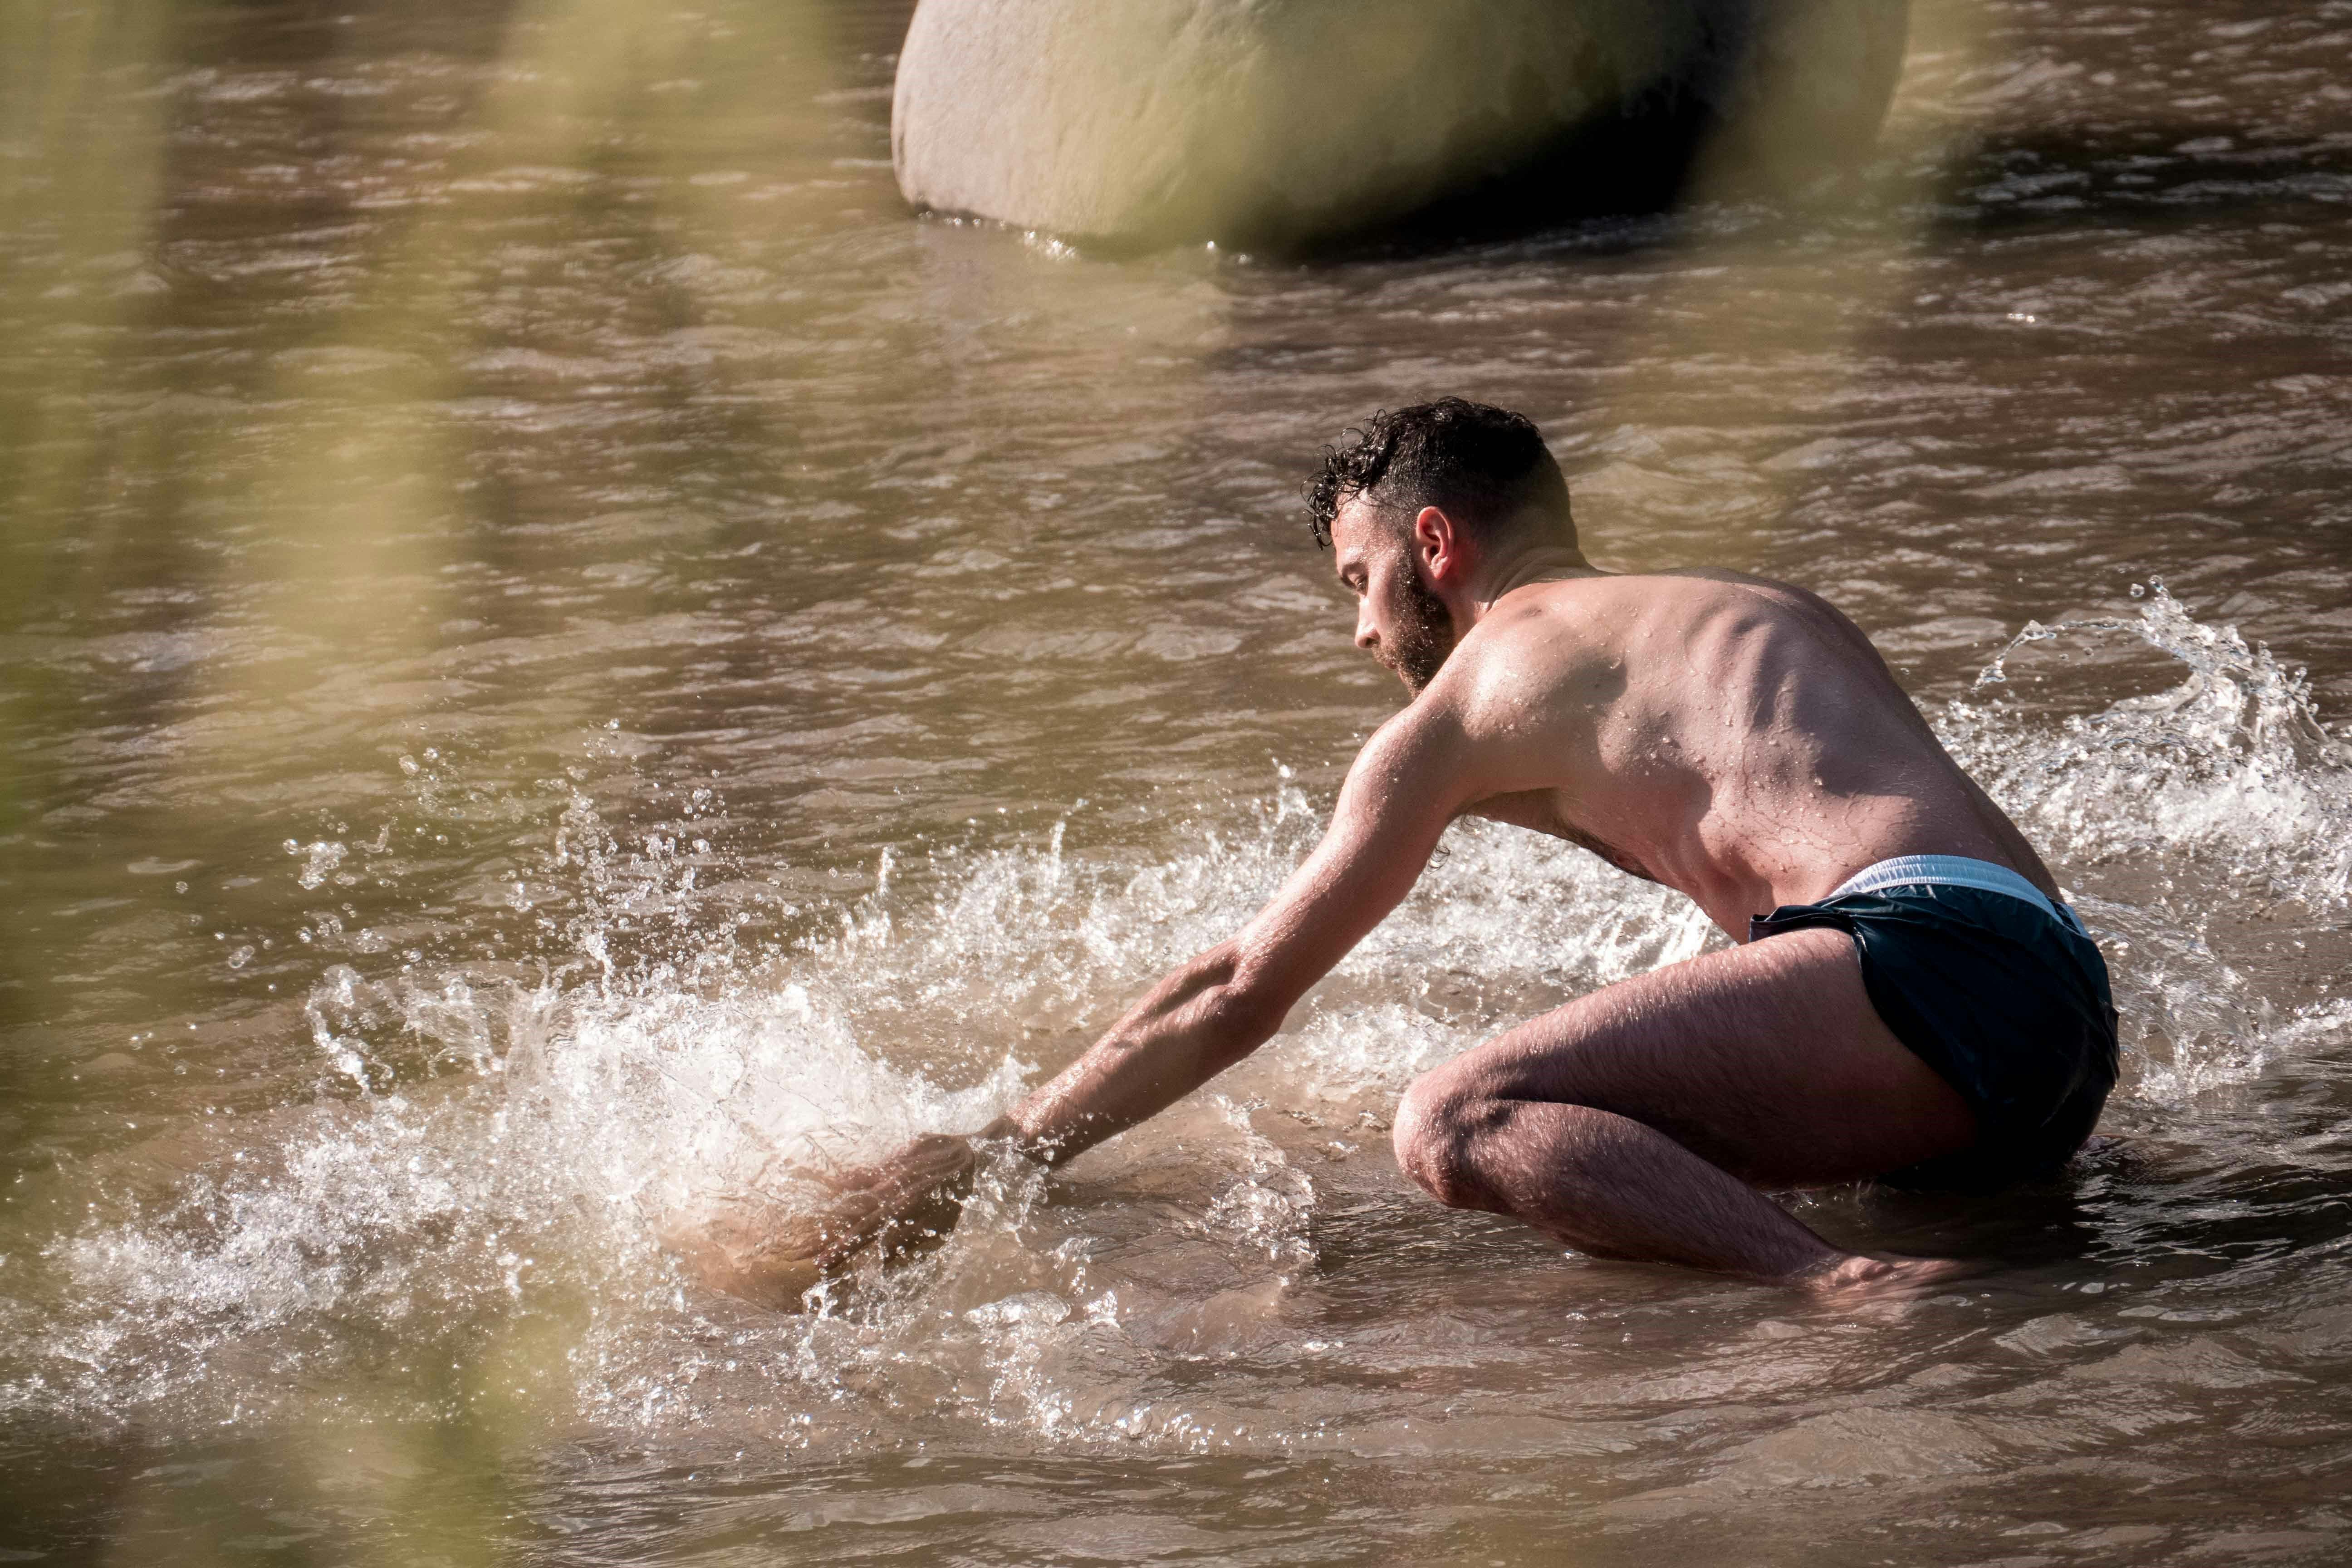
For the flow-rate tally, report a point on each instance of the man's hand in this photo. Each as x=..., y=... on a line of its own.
x=769, y=1257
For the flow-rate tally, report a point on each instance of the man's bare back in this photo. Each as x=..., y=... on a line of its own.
x=1732, y=738
x=1736, y=739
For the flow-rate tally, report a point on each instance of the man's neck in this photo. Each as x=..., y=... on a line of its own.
x=1518, y=568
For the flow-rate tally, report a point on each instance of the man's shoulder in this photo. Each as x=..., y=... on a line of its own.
x=1546, y=641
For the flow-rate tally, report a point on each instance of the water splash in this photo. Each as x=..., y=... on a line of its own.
x=496, y=1146
x=2232, y=766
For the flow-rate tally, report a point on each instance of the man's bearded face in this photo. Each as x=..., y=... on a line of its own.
x=1419, y=635
x=1400, y=619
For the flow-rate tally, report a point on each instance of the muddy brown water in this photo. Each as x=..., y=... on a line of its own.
x=564, y=655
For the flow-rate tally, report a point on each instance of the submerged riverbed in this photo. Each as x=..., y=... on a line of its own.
x=564, y=655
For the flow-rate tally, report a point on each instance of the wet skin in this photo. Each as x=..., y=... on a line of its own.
x=1735, y=739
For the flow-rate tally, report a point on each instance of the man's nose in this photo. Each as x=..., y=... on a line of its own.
x=1365, y=636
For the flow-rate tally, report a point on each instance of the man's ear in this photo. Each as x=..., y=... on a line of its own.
x=1437, y=545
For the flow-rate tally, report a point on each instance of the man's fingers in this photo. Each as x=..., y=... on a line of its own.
x=753, y=1257
x=915, y=1193
x=913, y=1197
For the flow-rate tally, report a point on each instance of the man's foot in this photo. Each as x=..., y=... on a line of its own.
x=1858, y=1278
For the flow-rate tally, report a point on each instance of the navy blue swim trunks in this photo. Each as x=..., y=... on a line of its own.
x=1994, y=986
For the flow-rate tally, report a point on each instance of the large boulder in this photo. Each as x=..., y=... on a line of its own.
x=1285, y=123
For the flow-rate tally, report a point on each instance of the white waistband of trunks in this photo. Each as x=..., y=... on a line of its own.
x=1953, y=871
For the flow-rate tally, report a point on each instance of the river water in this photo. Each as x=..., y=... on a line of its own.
x=565, y=657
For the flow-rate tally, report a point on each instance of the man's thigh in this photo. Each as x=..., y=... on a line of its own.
x=1767, y=1060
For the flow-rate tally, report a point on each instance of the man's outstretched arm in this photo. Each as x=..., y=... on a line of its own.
x=1216, y=1009
x=1406, y=785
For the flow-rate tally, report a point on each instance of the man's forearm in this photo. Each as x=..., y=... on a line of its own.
x=1195, y=1024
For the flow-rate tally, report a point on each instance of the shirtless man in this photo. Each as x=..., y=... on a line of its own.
x=1908, y=999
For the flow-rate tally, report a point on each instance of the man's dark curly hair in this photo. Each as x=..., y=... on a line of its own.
x=1484, y=466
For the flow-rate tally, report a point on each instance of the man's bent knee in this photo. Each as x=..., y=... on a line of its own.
x=1431, y=1136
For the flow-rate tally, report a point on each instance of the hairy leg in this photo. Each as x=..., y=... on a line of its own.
x=1638, y=1122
